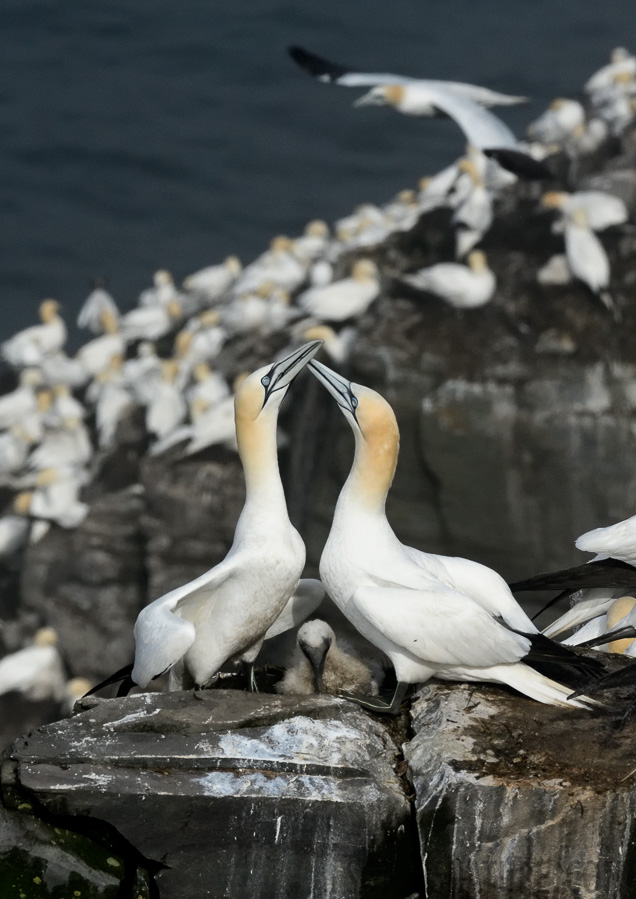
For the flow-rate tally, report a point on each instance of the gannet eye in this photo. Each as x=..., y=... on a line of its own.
x=265, y=380
x=354, y=401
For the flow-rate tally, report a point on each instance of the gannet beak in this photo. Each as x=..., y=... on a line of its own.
x=316, y=656
x=283, y=372
x=338, y=387
x=371, y=98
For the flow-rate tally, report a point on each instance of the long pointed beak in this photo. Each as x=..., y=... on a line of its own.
x=338, y=387
x=317, y=655
x=283, y=372
x=368, y=99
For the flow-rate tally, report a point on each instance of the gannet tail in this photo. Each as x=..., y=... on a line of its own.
x=531, y=683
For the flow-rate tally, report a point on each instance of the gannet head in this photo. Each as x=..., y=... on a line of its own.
x=182, y=343
x=209, y=318
x=616, y=612
x=22, y=502
x=382, y=95
x=45, y=636
x=367, y=412
x=108, y=321
x=364, y=270
x=315, y=639
x=468, y=166
x=263, y=391
x=201, y=371
x=424, y=182
x=281, y=244
x=554, y=199
x=174, y=309
x=233, y=265
x=162, y=278
x=49, y=310
x=44, y=400
x=317, y=228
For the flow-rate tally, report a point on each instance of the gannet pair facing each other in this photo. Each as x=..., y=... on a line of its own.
x=433, y=616
x=225, y=613
x=464, y=103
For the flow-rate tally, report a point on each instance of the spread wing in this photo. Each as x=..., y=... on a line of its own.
x=162, y=635
x=439, y=625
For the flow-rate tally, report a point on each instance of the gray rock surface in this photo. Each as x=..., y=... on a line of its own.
x=235, y=794
x=514, y=798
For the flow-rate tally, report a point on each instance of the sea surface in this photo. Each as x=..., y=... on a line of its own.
x=145, y=134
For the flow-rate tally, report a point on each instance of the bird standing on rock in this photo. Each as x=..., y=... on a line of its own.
x=433, y=616
x=226, y=612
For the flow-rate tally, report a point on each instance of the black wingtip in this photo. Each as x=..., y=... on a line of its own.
x=597, y=573
x=123, y=676
x=562, y=663
x=624, y=677
x=317, y=66
x=520, y=163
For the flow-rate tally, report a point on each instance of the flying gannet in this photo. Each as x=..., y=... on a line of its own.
x=225, y=613
x=433, y=616
x=420, y=97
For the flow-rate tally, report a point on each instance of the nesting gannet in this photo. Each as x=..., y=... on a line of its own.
x=56, y=497
x=162, y=293
x=15, y=446
x=64, y=406
x=319, y=665
x=418, y=97
x=226, y=612
x=336, y=74
x=587, y=258
x=343, y=299
x=621, y=62
x=29, y=347
x=558, y=122
x=21, y=401
x=278, y=265
x=601, y=209
x=266, y=310
x=58, y=368
x=313, y=242
x=14, y=531
x=36, y=671
x=70, y=444
x=95, y=355
x=201, y=340
x=473, y=216
x=150, y=322
x=91, y=315
x=463, y=286
x=167, y=408
x=214, y=281
x=433, y=616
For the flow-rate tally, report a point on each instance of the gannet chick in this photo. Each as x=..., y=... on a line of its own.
x=36, y=671
x=433, y=616
x=226, y=612
x=602, y=209
x=587, y=259
x=17, y=404
x=91, y=315
x=162, y=293
x=29, y=347
x=150, y=322
x=336, y=74
x=95, y=355
x=558, y=122
x=319, y=665
x=344, y=299
x=307, y=596
x=213, y=282
x=463, y=286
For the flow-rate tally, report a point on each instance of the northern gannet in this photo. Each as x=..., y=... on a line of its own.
x=91, y=315
x=29, y=347
x=320, y=665
x=150, y=322
x=463, y=286
x=602, y=209
x=22, y=401
x=343, y=299
x=433, y=616
x=36, y=671
x=162, y=293
x=333, y=73
x=95, y=355
x=167, y=407
x=621, y=62
x=561, y=120
x=473, y=216
x=14, y=530
x=213, y=282
x=587, y=258
x=481, y=128
x=56, y=497
x=226, y=612
x=313, y=242
x=278, y=265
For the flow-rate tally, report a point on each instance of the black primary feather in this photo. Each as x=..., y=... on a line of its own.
x=624, y=677
x=520, y=163
x=561, y=663
x=317, y=65
x=601, y=573
x=123, y=676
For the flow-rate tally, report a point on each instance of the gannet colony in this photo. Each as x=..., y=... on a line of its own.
x=198, y=371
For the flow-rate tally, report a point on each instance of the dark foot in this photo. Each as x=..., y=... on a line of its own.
x=378, y=705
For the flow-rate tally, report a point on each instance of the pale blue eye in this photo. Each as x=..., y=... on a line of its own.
x=354, y=401
x=265, y=380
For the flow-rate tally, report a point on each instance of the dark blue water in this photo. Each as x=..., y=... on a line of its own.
x=138, y=134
